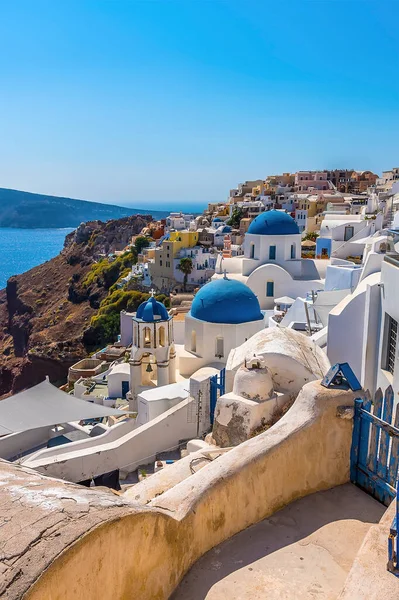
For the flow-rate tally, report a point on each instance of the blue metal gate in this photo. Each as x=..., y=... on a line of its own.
x=375, y=446
x=375, y=458
x=393, y=542
x=217, y=389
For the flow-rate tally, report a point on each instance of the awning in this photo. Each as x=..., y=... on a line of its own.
x=44, y=405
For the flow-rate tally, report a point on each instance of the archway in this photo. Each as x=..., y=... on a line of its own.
x=193, y=341
x=162, y=336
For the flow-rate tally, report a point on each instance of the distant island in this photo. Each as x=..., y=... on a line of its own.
x=27, y=210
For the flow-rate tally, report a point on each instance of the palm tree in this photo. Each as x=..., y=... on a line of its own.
x=185, y=266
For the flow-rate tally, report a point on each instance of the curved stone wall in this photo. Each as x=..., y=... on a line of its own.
x=121, y=550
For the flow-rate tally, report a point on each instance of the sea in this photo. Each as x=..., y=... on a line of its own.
x=23, y=249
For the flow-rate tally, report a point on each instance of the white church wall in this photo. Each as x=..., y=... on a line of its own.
x=178, y=331
x=283, y=284
x=206, y=340
x=259, y=249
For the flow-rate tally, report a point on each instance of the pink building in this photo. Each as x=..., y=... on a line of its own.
x=311, y=179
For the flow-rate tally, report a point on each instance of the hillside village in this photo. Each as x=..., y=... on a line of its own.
x=222, y=368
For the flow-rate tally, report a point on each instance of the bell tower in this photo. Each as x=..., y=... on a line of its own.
x=153, y=356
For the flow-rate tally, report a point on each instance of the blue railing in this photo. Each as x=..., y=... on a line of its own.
x=393, y=542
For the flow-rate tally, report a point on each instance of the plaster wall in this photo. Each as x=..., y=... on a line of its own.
x=389, y=306
x=236, y=417
x=342, y=277
x=83, y=460
x=126, y=328
x=112, y=434
x=206, y=335
x=149, y=549
x=284, y=284
x=115, y=379
x=16, y=443
x=292, y=359
x=261, y=250
x=348, y=328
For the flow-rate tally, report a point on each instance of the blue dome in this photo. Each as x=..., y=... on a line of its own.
x=151, y=310
x=226, y=301
x=273, y=222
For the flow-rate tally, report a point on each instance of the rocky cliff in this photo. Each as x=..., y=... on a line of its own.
x=45, y=311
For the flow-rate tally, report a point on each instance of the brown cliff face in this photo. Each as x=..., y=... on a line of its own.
x=45, y=311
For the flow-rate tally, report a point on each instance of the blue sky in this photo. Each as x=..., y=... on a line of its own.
x=169, y=101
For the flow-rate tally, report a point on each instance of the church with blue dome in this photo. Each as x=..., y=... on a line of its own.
x=224, y=314
x=271, y=265
x=153, y=355
x=273, y=222
x=226, y=301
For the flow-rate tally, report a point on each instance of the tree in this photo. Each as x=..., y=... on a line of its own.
x=312, y=235
x=235, y=218
x=141, y=242
x=185, y=266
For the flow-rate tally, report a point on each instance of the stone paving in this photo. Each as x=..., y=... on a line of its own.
x=304, y=551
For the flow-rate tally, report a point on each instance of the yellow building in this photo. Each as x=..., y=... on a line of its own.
x=162, y=269
x=314, y=205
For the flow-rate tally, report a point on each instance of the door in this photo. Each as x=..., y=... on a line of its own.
x=125, y=388
x=349, y=231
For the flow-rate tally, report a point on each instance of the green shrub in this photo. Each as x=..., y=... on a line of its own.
x=104, y=327
x=106, y=274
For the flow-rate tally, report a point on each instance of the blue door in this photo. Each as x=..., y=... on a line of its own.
x=125, y=388
x=217, y=389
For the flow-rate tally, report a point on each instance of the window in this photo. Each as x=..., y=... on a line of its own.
x=272, y=253
x=219, y=351
x=252, y=251
x=391, y=334
x=293, y=251
x=162, y=336
x=160, y=263
x=193, y=341
x=270, y=289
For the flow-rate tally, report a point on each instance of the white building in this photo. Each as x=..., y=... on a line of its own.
x=362, y=328
x=179, y=221
x=301, y=219
x=224, y=314
x=272, y=265
x=204, y=264
x=343, y=235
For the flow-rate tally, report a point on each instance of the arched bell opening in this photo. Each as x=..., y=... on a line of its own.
x=149, y=371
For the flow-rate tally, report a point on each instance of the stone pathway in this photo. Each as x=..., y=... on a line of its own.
x=302, y=552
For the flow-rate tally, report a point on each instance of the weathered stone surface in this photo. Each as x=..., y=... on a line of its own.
x=41, y=517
